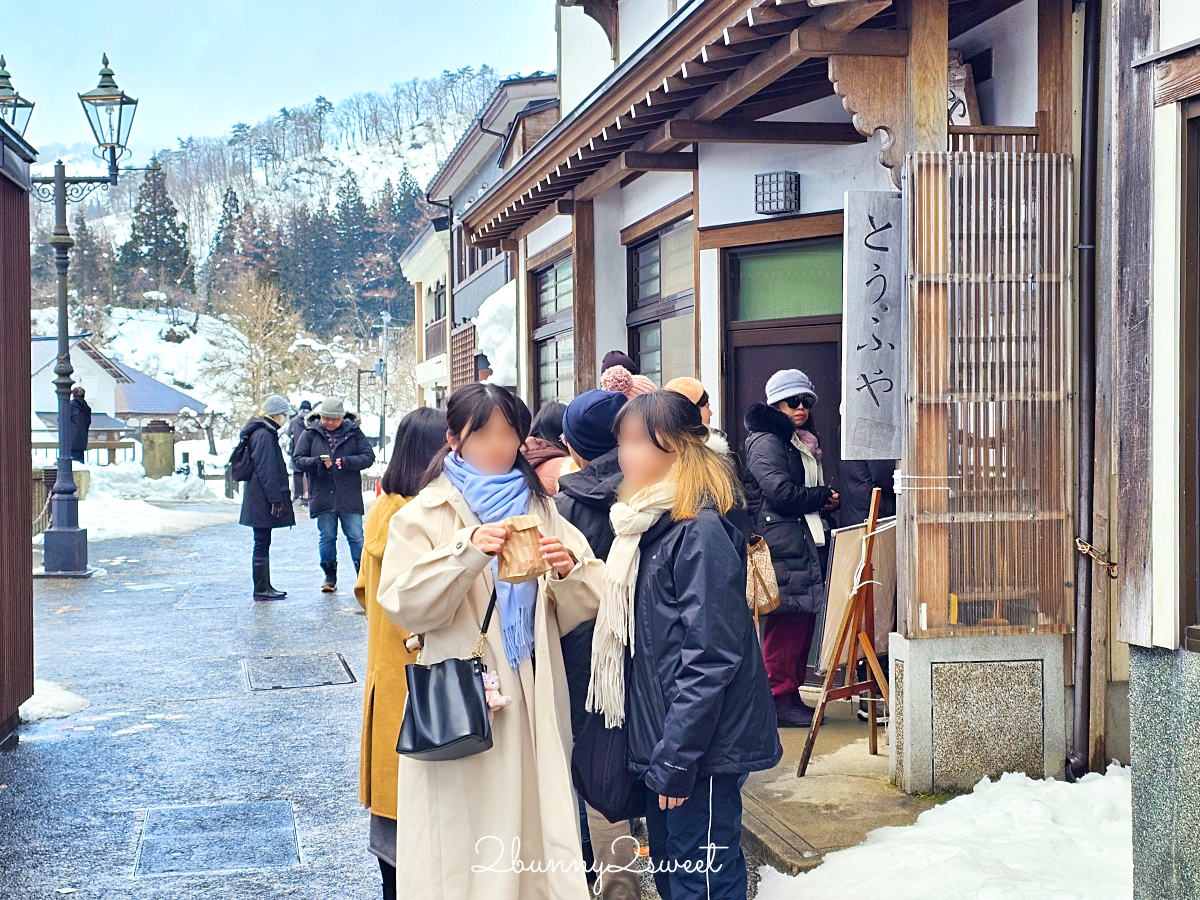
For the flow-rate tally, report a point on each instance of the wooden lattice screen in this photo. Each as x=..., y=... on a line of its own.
x=462, y=356
x=987, y=475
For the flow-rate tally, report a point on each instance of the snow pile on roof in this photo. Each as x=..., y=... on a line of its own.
x=51, y=701
x=1016, y=839
x=128, y=481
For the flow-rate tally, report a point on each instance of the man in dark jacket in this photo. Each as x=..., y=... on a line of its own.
x=294, y=430
x=81, y=422
x=584, y=499
x=858, y=478
x=265, y=503
x=333, y=451
x=785, y=504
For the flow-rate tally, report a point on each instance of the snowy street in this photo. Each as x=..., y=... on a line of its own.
x=191, y=775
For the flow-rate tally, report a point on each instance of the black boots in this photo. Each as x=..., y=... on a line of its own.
x=262, y=580
x=330, y=570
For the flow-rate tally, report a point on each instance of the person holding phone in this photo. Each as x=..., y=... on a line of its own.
x=786, y=494
x=333, y=451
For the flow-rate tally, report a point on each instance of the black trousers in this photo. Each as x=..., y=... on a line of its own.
x=262, y=542
x=299, y=485
x=703, y=835
x=389, y=880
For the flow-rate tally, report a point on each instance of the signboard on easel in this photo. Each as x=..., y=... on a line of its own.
x=872, y=290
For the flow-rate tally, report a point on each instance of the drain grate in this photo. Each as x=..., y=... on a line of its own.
x=217, y=837
x=276, y=673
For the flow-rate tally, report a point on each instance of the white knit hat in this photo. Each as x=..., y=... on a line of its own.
x=789, y=383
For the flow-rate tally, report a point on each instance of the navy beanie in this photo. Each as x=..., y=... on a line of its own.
x=588, y=423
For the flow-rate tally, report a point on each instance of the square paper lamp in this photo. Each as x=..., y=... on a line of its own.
x=777, y=192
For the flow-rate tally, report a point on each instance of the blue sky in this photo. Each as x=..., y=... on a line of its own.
x=198, y=66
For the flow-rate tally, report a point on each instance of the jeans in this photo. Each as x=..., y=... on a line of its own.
x=680, y=839
x=262, y=543
x=352, y=528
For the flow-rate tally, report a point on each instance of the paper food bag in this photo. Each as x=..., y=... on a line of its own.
x=521, y=559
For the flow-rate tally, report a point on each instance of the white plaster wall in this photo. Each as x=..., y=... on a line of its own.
x=1178, y=22
x=639, y=19
x=651, y=192
x=100, y=386
x=553, y=231
x=584, y=56
x=1164, y=378
x=826, y=172
x=1010, y=97
x=708, y=307
x=611, y=285
x=827, y=109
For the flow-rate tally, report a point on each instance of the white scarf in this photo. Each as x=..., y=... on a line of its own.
x=614, y=622
x=813, y=475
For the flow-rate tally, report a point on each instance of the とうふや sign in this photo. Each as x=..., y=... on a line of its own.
x=872, y=291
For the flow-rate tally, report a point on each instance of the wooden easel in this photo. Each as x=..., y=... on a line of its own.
x=857, y=633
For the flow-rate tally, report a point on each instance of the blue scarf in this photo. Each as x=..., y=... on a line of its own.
x=493, y=498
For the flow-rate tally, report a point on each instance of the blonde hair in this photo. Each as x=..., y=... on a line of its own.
x=701, y=477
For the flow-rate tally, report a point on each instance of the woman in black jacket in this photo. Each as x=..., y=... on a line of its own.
x=266, y=497
x=691, y=691
x=786, y=492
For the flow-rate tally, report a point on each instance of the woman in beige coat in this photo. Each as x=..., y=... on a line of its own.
x=502, y=824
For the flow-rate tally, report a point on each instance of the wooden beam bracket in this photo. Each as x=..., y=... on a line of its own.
x=872, y=91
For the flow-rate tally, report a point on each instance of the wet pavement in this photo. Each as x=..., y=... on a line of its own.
x=219, y=757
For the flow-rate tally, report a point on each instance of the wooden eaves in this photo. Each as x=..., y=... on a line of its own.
x=697, y=71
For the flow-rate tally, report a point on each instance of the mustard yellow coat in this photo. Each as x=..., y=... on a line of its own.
x=466, y=820
x=386, y=687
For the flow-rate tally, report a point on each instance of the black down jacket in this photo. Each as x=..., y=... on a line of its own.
x=697, y=700
x=269, y=483
x=330, y=488
x=778, y=499
x=584, y=499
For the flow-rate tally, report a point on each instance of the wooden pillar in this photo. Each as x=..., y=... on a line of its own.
x=419, y=336
x=929, y=32
x=583, y=259
x=1055, y=63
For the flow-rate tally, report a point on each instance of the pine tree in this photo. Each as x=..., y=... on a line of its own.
x=90, y=275
x=221, y=267
x=156, y=255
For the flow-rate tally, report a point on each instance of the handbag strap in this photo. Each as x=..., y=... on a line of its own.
x=487, y=620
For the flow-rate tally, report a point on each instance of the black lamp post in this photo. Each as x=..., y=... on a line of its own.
x=370, y=380
x=110, y=113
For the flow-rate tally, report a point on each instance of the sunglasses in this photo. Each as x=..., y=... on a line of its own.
x=804, y=400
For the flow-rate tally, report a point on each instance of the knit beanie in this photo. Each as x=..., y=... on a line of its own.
x=789, y=383
x=588, y=423
x=274, y=405
x=617, y=358
x=620, y=379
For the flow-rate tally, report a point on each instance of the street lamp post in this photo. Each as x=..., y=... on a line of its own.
x=110, y=113
x=383, y=382
x=370, y=381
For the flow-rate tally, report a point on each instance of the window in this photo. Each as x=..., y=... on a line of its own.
x=437, y=306
x=792, y=281
x=553, y=338
x=1189, y=387
x=470, y=259
x=661, y=319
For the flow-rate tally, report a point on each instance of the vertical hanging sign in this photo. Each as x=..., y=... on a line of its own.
x=872, y=274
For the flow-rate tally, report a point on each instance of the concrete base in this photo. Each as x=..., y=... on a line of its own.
x=1164, y=690
x=968, y=707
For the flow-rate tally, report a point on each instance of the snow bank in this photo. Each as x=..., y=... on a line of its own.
x=1014, y=839
x=51, y=701
x=128, y=481
x=496, y=333
x=110, y=518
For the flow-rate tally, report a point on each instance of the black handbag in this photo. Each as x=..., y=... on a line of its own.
x=446, y=712
x=600, y=770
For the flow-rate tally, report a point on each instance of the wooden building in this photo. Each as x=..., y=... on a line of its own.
x=692, y=208
x=16, y=501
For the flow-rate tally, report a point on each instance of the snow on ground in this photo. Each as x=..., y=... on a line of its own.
x=111, y=518
x=51, y=701
x=1013, y=839
x=128, y=481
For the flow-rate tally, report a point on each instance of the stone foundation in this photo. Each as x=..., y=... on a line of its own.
x=966, y=707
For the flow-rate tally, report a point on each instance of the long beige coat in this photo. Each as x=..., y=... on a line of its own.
x=472, y=828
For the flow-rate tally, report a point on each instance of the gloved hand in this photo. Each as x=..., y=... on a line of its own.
x=277, y=510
